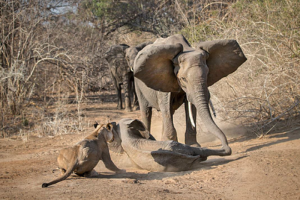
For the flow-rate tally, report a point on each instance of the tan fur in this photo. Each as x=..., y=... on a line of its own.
x=85, y=155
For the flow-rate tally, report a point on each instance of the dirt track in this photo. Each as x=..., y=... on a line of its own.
x=266, y=168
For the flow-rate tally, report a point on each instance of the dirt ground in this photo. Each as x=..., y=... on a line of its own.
x=259, y=168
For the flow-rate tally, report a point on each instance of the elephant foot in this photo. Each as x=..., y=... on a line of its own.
x=226, y=151
x=128, y=109
x=192, y=143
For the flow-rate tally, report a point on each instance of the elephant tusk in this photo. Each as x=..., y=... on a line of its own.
x=190, y=114
x=212, y=108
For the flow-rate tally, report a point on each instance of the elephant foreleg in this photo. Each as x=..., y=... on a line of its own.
x=127, y=89
x=118, y=90
x=135, y=98
x=120, y=106
x=146, y=111
x=190, y=132
x=169, y=131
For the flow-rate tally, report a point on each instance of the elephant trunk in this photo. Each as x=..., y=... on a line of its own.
x=200, y=98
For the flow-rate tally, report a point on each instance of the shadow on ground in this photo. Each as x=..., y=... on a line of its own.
x=145, y=175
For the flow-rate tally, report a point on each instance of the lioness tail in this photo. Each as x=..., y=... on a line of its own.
x=69, y=171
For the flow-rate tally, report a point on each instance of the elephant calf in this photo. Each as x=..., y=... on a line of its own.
x=132, y=137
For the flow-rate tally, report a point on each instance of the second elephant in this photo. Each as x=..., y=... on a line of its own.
x=121, y=75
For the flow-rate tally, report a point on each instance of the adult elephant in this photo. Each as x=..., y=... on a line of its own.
x=121, y=74
x=130, y=55
x=132, y=137
x=170, y=72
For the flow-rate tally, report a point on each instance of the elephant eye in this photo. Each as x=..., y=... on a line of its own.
x=183, y=79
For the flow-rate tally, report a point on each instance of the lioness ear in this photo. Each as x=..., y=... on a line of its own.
x=109, y=136
x=109, y=126
x=96, y=124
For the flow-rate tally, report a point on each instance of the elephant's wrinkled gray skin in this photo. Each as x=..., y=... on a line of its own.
x=121, y=75
x=132, y=137
x=170, y=72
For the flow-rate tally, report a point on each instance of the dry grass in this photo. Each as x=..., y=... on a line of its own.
x=59, y=116
x=260, y=93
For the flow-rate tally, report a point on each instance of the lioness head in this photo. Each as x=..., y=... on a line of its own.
x=106, y=131
x=115, y=142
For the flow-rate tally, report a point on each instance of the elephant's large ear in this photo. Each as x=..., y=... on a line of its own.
x=139, y=129
x=153, y=65
x=225, y=56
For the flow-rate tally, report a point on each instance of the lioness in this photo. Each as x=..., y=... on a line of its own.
x=85, y=155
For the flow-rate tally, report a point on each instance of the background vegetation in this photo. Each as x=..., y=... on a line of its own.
x=51, y=55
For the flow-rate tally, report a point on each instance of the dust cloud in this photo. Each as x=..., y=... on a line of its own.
x=203, y=136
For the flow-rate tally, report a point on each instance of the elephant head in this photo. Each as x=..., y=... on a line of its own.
x=115, y=51
x=138, y=130
x=131, y=52
x=115, y=56
x=172, y=65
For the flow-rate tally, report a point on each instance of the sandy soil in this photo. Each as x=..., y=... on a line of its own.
x=265, y=168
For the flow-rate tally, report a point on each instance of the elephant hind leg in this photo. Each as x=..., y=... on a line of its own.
x=119, y=93
x=135, y=98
